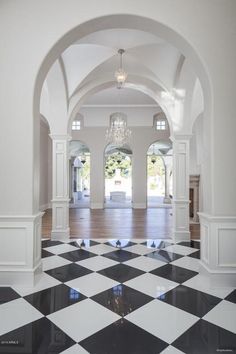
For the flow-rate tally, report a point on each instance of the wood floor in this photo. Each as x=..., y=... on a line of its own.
x=117, y=223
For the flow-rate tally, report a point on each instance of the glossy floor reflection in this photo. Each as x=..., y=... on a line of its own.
x=119, y=297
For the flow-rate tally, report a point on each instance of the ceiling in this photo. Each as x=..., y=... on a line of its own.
x=147, y=59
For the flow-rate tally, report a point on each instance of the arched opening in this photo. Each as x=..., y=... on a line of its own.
x=159, y=174
x=79, y=174
x=166, y=95
x=118, y=177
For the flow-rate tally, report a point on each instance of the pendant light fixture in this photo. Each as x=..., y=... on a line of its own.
x=120, y=73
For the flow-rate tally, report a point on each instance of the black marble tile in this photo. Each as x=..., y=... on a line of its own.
x=123, y=337
x=122, y=243
x=156, y=244
x=191, y=243
x=164, y=256
x=174, y=273
x=53, y=299
x=231, y=297
x=121, y=272
x=83, y=243
x=68, y=272
x=47, y=254
x=38, y=337
x=121, y=255
x=49, y=243
x=7, y=294
x=190, y=300
x=206, y=338
x=77, y=255
x=121, y=299
x=195, y=255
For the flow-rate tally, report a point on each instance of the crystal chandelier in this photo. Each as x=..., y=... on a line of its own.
x=118, y=133
x=120, y=74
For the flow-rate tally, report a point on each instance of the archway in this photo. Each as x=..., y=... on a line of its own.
x=159, y=174
x=79, y=174
x=171, y=37
x=118, y=177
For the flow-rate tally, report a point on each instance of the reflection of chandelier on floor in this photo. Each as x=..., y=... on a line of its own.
x=118, y=133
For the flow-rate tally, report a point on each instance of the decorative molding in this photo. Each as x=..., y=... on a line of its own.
x=119, y=105
x=44, y=207
x=20, y=259
x=66, y=137
x=218, y=240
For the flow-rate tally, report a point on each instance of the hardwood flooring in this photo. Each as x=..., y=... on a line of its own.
x=117, y=223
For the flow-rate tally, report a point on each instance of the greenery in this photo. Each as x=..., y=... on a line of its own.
x=157, y=168
x=118, y=161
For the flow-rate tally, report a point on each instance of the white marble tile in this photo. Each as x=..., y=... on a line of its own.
x=145, y=263
x=101, y=249
x=15, y=314
x=151, y=284
x=188, y=263
x=183, y=250
x=97, y=263
x=59, y=249
x=75, y=349
x=83, y=319
x=92, y=284
x=45, y=281
x=53, y=262
x=223, y=315
x=162, y=320
x=209, y=285
x=139, y=249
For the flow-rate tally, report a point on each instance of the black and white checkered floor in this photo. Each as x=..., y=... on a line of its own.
x=119, y=297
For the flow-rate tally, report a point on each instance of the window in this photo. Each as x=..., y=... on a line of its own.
x=76, y=125
x=161, y=125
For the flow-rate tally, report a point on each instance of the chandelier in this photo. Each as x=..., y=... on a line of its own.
x=120, y=74
x=118, y=133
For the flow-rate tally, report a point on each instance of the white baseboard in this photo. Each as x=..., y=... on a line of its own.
x=57, y=235
x=96, y=205
x=139, y=206
x=179, y=236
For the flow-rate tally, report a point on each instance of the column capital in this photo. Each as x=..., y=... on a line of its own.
x=60, y=137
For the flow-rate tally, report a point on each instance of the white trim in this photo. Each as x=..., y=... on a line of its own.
x=178, y=236
x=16, y=218
x=216, y=218
x=44, y=207
x=139, y=206
x=119, y=105
x=60, y=234
x=217, y=251
x=96, y=205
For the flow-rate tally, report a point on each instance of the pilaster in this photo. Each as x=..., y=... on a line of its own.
x=181, y=188
x=60, y=188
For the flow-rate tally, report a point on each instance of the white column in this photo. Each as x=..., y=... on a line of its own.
x=167, y=199
x=181, y=188
x=60, y=188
